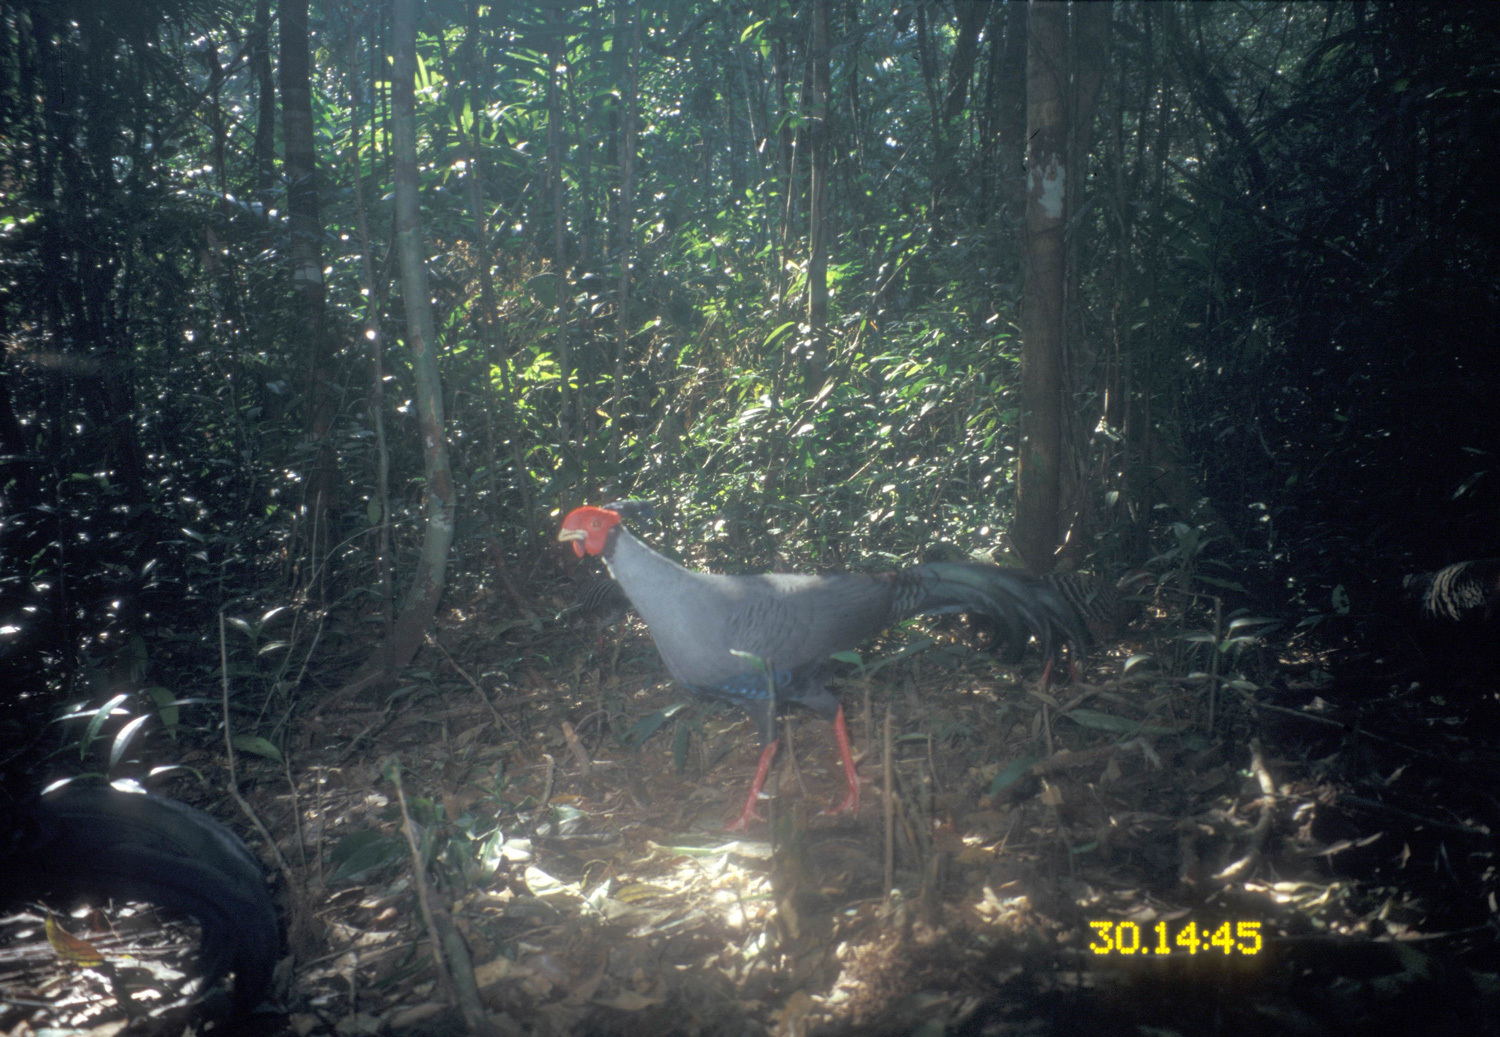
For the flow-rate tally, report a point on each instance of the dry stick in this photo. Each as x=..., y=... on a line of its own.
x=291, y=785
x=233, y=786
x=789, y=758
x=1266, y=803
x=356, y=743
x=1213, y=670
x=888, y=778
x=470, y=1004
x=515, y=596
x=419, y=876
x=450, y=957
x=472, y=683
x=1355, y=729
x=869, y=717
x=292, y=638
x=576, y=748
x=1375, y=805
x=548, y=780
x=320, y=776
x=1347, y=728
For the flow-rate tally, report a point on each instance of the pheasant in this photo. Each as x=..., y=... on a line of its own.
x=1107, y=606
x=602, y=602
x=763, y=642
x=600, y=605
x=1460, y=592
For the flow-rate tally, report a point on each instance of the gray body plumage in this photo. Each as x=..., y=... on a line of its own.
x=795, y=622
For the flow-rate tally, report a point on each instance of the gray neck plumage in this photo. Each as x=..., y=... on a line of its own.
x=635, y=565
x=672, y=602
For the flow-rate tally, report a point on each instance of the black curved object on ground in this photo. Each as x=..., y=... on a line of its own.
x=91, y=839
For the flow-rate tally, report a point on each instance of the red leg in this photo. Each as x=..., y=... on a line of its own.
x=761, y=770
x=851, y=778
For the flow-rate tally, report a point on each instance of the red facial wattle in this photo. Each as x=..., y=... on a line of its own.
x=587, y=528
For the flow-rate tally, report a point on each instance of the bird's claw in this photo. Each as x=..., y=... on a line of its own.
x=742, y=822
x=850, y=802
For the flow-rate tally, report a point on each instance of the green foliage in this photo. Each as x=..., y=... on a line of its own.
x=1274, y=245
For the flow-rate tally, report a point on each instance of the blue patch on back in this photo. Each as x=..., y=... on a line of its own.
x=753, y=685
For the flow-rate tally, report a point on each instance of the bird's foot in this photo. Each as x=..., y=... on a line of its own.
x=850, y=803
x=742, y=822
x=851, y=774
x=749, y=812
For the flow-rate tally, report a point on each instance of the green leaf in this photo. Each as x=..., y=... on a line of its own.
x=775, y=336
x=681, y=742
x=240, y=625
x=359, y=853
x=543, y=288
x=123, y=740
x=166, y=708
x=257, y=746
x=1092, y=718
x=920, y=645
x=1017, y=770
x=636, y=735
x=100, y=715
x=1245, y=621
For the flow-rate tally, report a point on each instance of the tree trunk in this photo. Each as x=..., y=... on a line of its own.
x=321, y=394
x=375, y=299
x=421, y=602
x=817, y=207
x=627, y=214
x=559, y=224
x=971, y=18
x=1010, y=115
x=265, y=88
x=1039, y=488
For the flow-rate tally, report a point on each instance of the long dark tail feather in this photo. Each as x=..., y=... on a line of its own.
x=1460, y=591
x=1063, y=619
x=92, y=839
x=1018, y=603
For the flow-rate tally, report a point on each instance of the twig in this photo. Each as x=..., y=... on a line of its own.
x=888, y=778
x=547, y=781
x=392, y=769
x=471, y=682
x=1262, y=830
x=1213, y=670
x=576, y=747
x=455, y=969
x=233, y=785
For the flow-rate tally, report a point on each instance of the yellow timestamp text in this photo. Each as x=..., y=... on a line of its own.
x=1129, y=938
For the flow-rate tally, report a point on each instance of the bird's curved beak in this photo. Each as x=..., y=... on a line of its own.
x=574, y=536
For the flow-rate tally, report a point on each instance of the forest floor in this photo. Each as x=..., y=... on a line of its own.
x=1309, y=854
